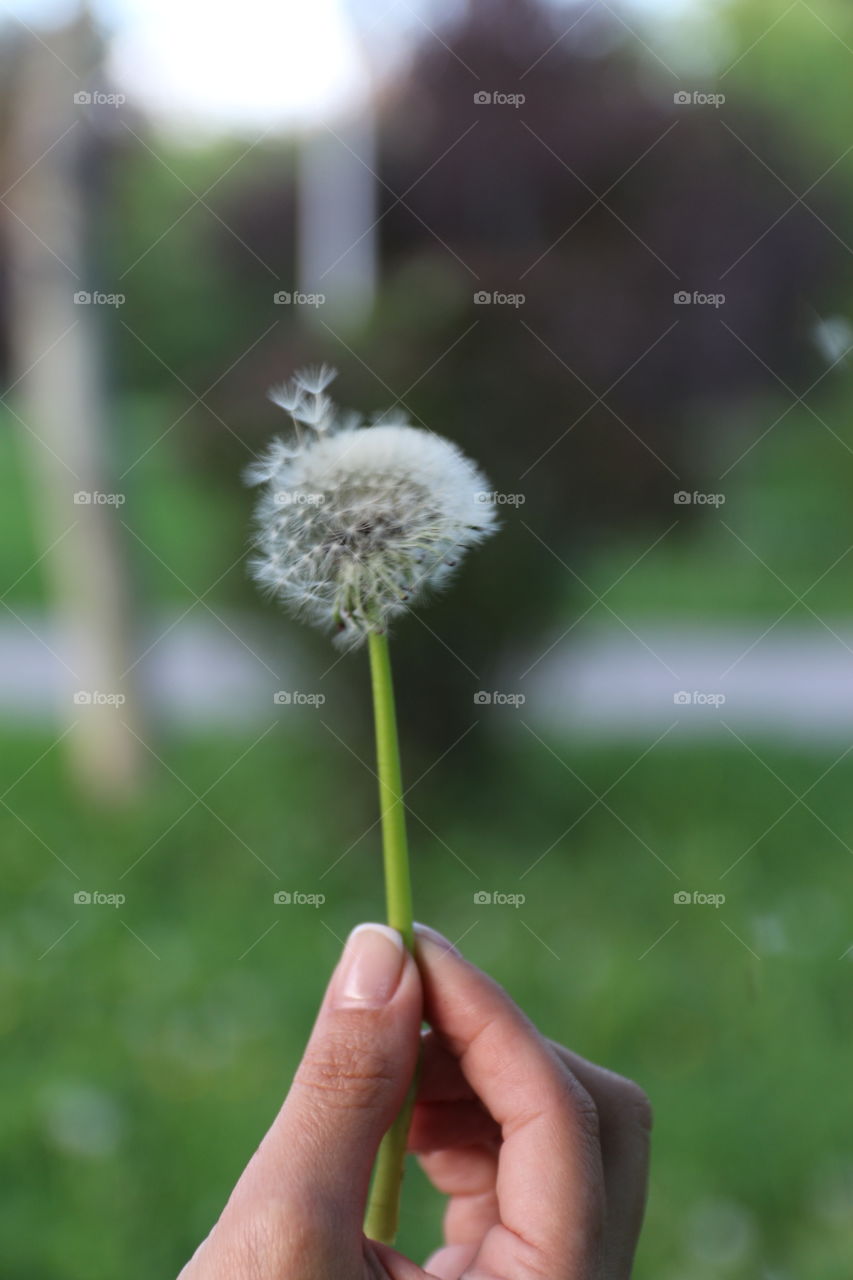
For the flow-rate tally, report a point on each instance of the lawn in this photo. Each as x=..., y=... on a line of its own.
x=148, y=1044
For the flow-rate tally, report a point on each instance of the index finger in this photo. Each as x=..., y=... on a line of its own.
x=550, y=1183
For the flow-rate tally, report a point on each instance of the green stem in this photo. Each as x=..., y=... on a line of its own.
x=384, y=1203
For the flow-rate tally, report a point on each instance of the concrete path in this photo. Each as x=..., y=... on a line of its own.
x=793, y=681
x=608, y=682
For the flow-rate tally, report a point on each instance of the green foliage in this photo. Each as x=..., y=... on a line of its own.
x=175, y=248
x=784, y=528
x=796, y=59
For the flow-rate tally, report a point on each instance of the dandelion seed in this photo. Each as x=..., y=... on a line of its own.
x=315, y=380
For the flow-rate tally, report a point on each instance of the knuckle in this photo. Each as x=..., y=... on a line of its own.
x=583, y=1108
x=345, y=1076
x=635, y=1105
x=576, y=1100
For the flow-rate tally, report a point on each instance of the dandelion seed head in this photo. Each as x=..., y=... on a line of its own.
x=358, y=523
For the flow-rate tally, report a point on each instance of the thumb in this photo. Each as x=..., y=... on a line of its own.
x=352, y=1079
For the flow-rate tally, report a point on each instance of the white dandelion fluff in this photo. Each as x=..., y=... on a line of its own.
x=356, y=523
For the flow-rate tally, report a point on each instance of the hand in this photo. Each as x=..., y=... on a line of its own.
x=543, y=1156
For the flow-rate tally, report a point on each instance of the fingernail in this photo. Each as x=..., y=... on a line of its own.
x=370, y=967
x=427, y=934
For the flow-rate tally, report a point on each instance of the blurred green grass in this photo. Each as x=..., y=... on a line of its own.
x=147, y=1050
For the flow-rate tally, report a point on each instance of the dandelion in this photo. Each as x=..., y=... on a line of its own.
x=356, y=523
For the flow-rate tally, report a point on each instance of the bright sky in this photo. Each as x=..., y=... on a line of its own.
x=267, y=63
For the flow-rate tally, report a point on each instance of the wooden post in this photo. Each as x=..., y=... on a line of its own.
x=51, y=215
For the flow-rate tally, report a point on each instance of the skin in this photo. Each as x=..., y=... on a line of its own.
x=542, y=1155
